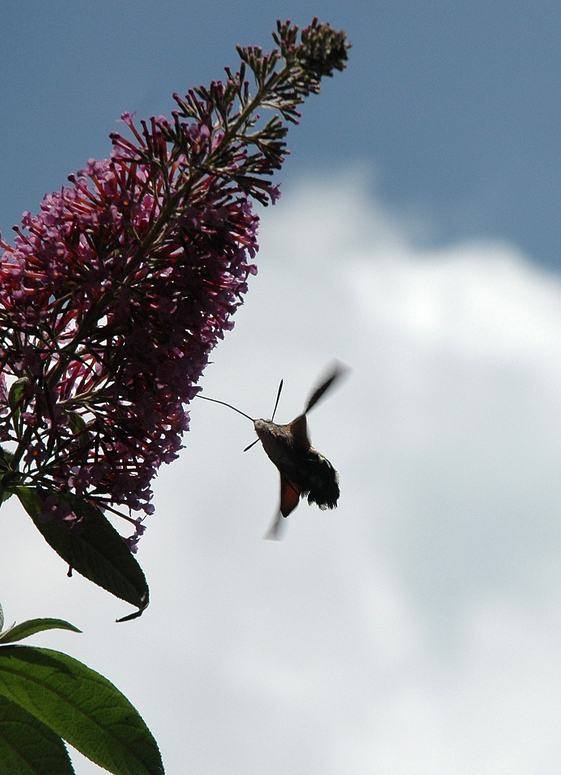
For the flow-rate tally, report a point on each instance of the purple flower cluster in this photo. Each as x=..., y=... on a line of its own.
x=112, y=298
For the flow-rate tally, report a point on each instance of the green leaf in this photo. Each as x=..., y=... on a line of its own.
x=97, y=552
x=17, y=393
x=5, y=458
x=25, y=629
x=78, y=427
x=82, y=707
x=28, y=747
x=6, y=474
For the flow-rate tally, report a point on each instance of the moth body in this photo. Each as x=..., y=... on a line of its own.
x=304, y=472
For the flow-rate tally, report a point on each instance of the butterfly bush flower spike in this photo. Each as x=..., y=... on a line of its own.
x=115, y=293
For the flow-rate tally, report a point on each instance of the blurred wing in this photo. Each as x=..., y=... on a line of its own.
x=272, y=533
x=318, y=393
x=290, y=496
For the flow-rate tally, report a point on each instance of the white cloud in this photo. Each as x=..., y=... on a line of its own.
x=416, y=628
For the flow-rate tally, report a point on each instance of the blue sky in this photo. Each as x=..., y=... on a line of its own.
x=416, y=628
x=454, y=104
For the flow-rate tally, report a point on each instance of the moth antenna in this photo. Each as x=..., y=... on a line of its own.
x=216, y=401
x=279, y=391
x=253, y=443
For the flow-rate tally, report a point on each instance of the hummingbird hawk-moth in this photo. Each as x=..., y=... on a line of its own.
x=304, y=472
